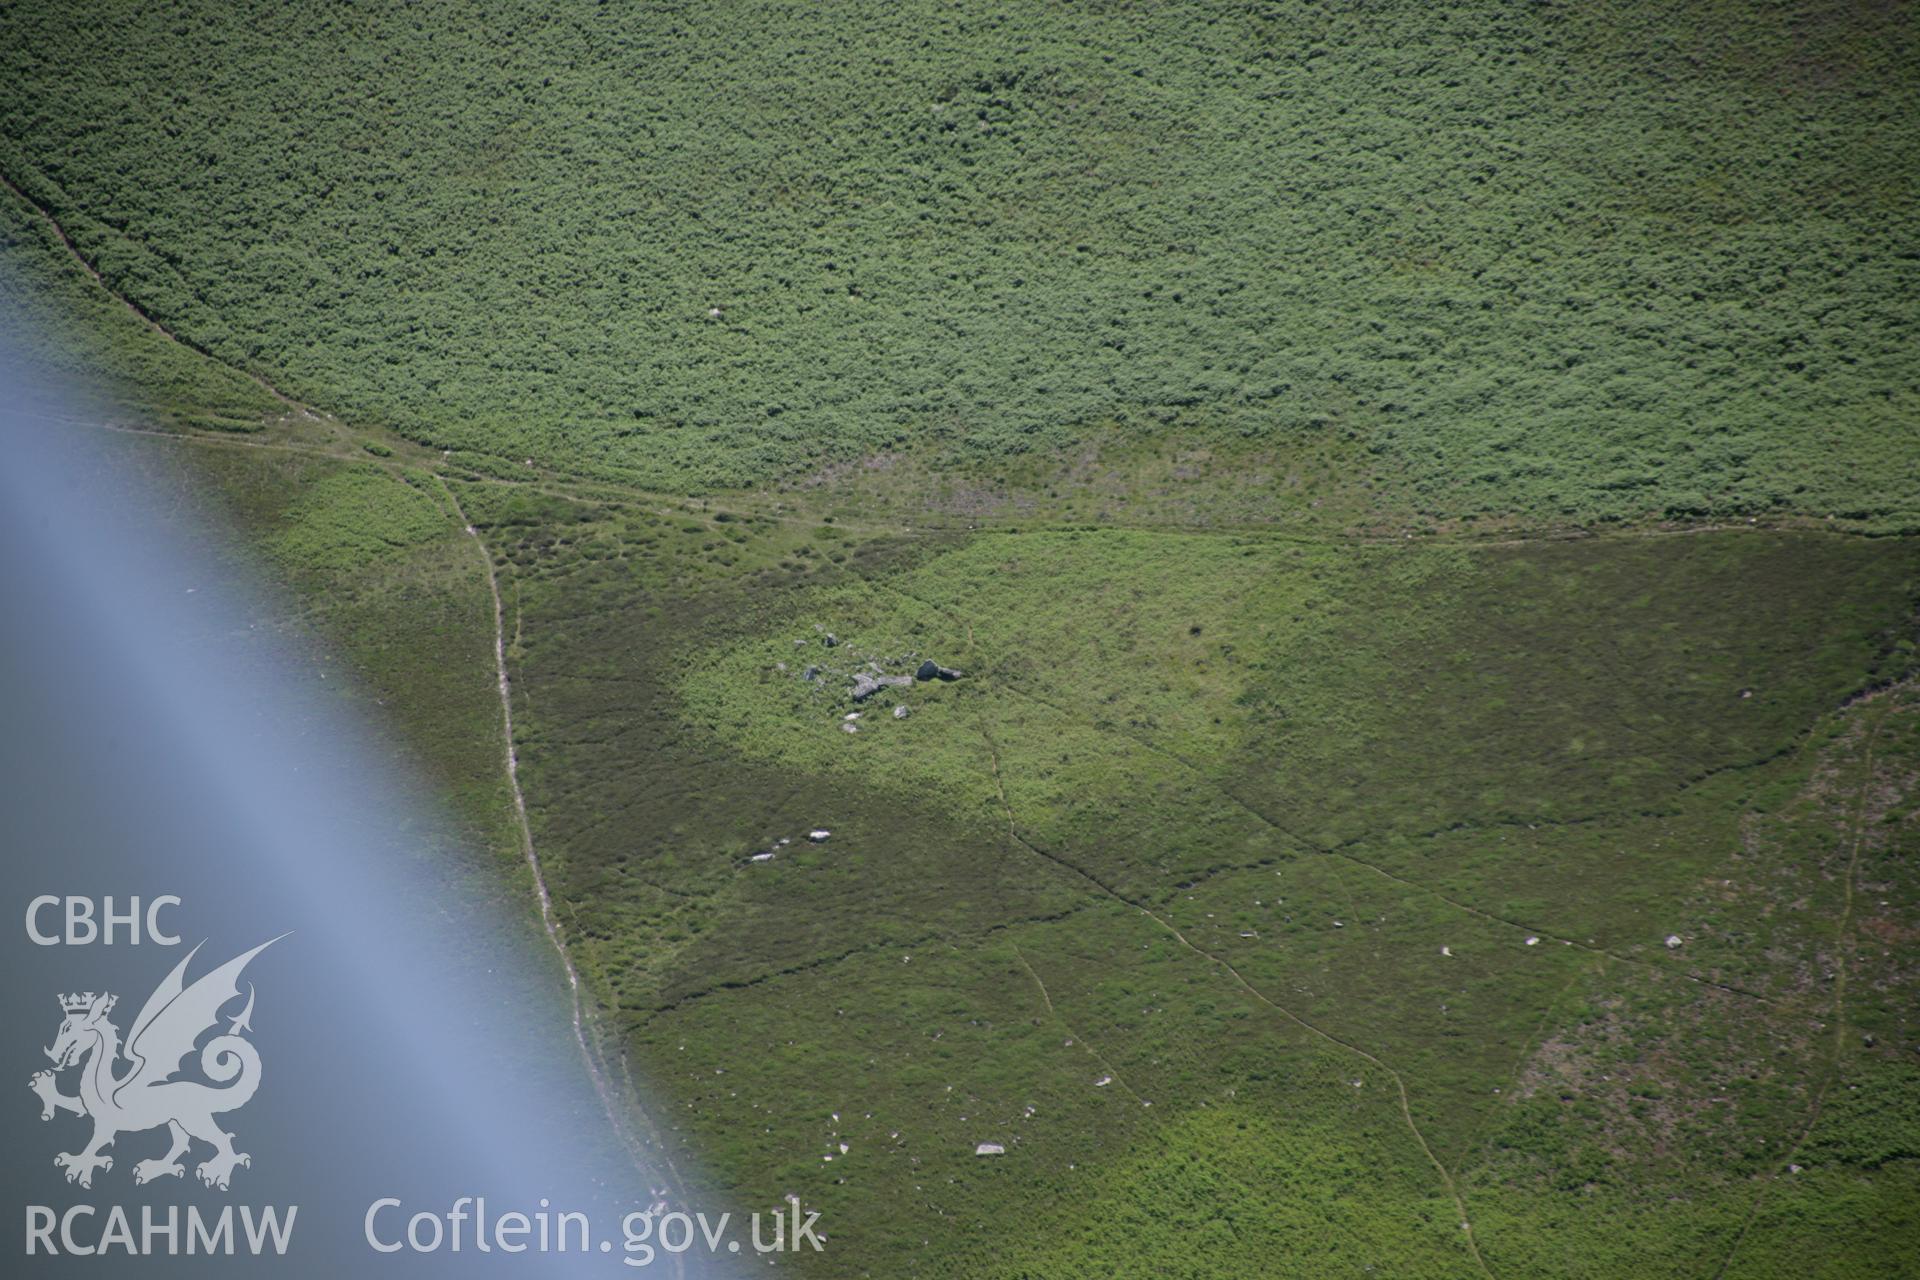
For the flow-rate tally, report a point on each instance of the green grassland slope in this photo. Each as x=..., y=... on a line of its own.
x=1287, y=897
x=1275, y=903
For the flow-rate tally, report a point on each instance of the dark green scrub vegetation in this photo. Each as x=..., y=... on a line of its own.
x=1587, y=261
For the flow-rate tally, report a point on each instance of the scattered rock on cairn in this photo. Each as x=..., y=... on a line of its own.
x=865, y=686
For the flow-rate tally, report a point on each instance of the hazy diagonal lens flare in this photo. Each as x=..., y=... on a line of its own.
x=163, y=733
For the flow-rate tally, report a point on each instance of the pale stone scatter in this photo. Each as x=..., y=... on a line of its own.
x=1533, y=942
x=989, y=1149
x=1673, y=941
x=1446, y=951
x=819, y=836
x=1103, y=1082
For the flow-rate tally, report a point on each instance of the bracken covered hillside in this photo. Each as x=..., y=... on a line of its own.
x=1579, y=260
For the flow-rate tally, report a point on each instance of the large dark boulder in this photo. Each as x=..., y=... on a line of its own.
x=931, y=670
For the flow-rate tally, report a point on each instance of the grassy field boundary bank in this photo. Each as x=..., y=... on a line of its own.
x=145, y=316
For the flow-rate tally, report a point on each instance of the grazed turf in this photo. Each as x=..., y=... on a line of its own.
x=1101, y=777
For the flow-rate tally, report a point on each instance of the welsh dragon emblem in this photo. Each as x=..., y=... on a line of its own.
x=145, y=1094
